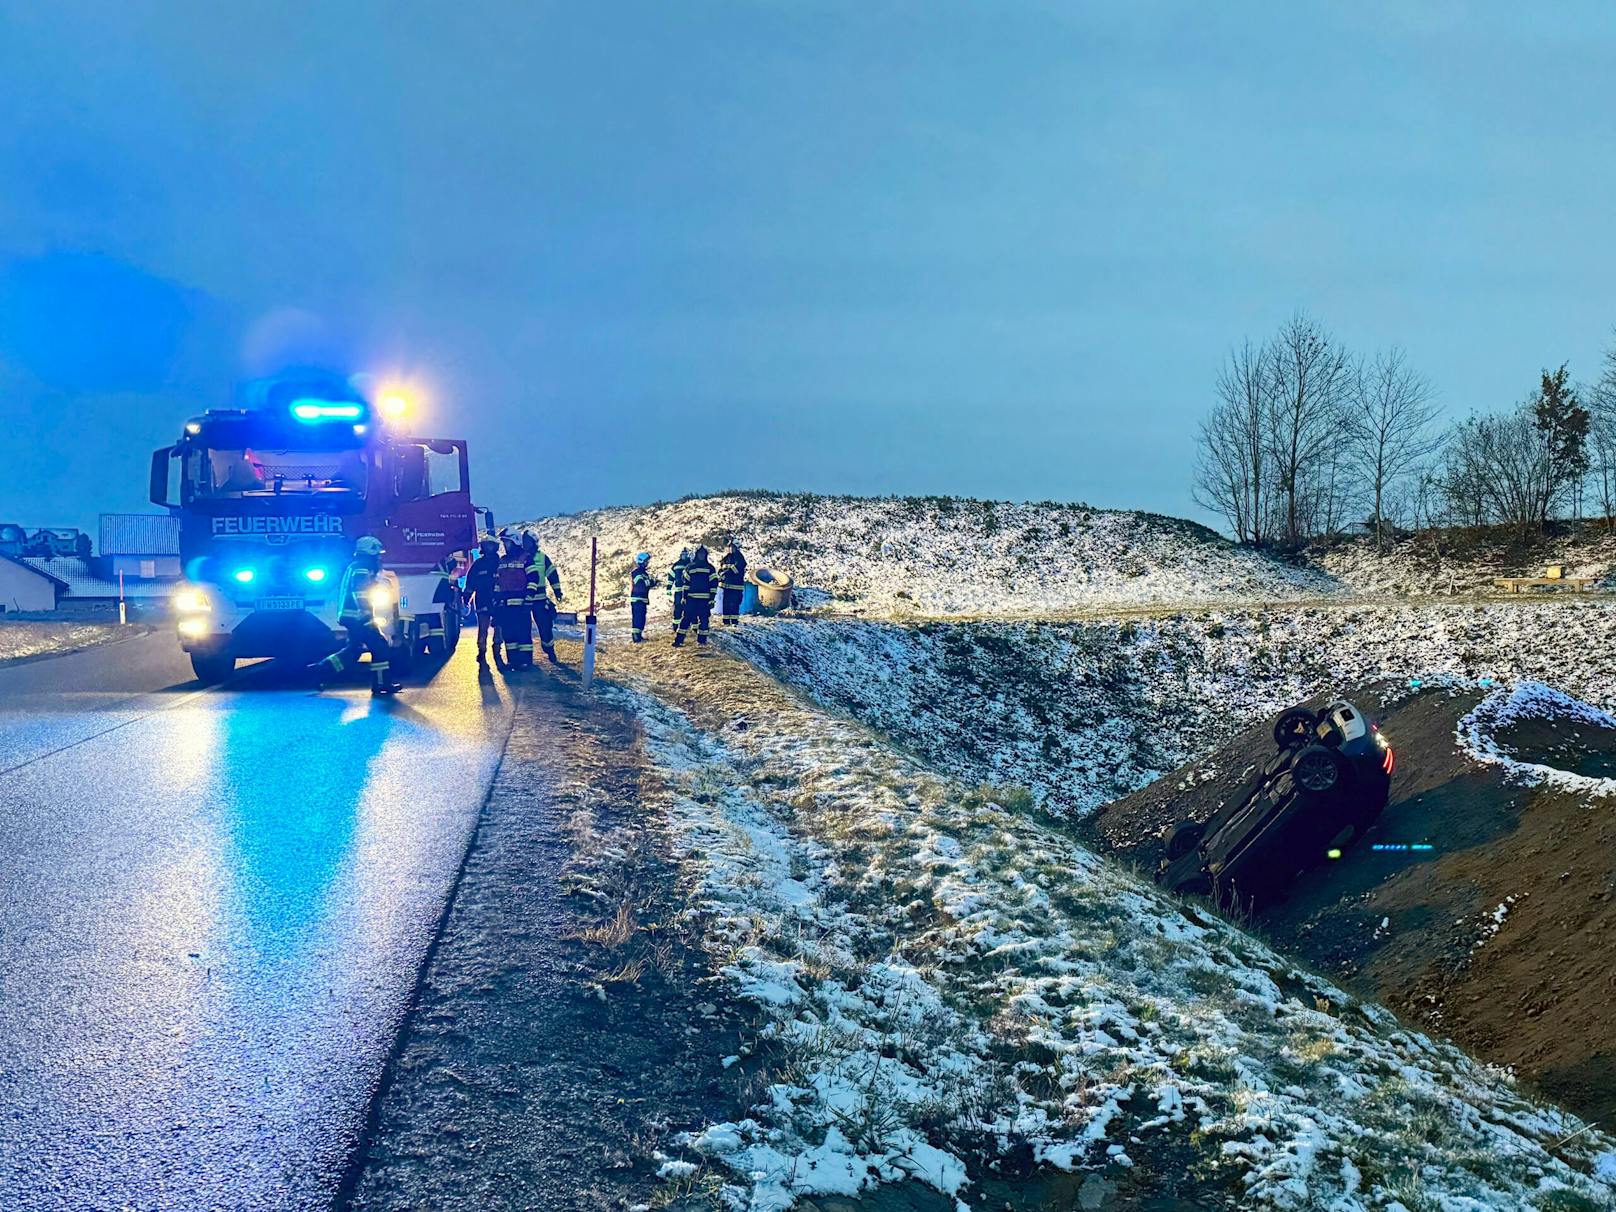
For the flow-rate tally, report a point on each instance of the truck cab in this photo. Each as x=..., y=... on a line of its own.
x=271, y=498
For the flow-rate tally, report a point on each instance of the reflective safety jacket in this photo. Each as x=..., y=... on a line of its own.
x=699, y=580
x=541, y=578
x=480, y=581
x=354, y=597
x=510, y=579
x=639, y=585
x=676, y=575
x=732, y=571
x=448, y=589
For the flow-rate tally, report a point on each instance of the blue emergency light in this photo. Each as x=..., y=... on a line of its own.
x=244, y=575
x=314, y=574
x=309, y=409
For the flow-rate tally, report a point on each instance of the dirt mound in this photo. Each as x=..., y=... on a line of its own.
x=1501, y=935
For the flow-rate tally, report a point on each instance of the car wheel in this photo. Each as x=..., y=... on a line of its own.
x=1294, y=727
x=1184, y=837
x=1316, y=769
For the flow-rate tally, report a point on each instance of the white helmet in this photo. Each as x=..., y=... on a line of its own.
x=369, y=545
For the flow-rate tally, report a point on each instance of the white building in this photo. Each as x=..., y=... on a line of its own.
x=26, y=588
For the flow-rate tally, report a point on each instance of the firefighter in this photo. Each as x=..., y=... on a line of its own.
x=364, y=595
x=446, y=596
x=676, y=585
x=542, y=581
x=732, y=581
x=512, y=615
x=639, y=594
x=700, y=578
x=480, y=578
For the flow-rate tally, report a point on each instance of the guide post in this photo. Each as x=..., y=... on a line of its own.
x=589, y=619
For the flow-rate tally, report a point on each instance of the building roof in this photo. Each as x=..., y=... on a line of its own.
x=142, y=534
x=80, y=580
x=30, y=566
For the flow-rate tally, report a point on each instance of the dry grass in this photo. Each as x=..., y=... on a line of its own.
x=613, y=932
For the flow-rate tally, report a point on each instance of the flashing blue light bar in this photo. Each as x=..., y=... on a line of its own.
x=315, y=574
x=244, y=575
x=326, y=410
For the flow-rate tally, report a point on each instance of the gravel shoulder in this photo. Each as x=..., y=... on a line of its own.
x=563, y=1028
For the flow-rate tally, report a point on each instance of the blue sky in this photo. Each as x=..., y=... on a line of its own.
x=639, y=250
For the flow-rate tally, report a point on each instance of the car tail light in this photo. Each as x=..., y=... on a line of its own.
x=1389, y=762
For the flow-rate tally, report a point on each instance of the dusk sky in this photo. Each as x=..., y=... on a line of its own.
x=635, y=251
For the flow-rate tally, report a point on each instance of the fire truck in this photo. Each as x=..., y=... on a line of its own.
x=270, y=499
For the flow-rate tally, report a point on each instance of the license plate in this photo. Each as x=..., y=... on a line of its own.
x=280, y=603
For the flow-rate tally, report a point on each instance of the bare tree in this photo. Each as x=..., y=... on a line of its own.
x=1601, y=397
x=1391, y=428
x=1311, y=376
x=1232, y=473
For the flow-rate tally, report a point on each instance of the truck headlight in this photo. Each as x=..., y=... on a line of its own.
x=191, y=601
x=194, y=626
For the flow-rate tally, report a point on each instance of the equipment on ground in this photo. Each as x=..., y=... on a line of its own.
x=1306, y=805
x=273, y=498
x=773, y=589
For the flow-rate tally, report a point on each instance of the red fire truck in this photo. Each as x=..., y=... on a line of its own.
x=271, y=498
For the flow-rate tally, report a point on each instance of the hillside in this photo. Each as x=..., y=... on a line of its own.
x=1458, y=564
x=936, y=556
x=1085, y=711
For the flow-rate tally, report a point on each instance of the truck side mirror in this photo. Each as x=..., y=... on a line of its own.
x=159, y=475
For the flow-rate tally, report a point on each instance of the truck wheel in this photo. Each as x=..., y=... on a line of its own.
x=1294, y=727
x=1316, y=769
x=1184, y=837
x=211, y=668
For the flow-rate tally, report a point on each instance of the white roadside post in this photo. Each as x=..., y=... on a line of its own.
x=123, y=609
x=589, y=620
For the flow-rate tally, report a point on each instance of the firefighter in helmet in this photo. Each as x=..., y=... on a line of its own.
x=732, y=581
x=512, y=616
x=480, y=579
x=543, y=581
x=639, y=594
x=676, y=585
x=365, y=597
x=700, y=577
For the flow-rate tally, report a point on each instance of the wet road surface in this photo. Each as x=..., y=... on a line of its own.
x=213, y=909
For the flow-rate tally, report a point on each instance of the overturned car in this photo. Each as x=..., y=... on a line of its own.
x=1317, y=796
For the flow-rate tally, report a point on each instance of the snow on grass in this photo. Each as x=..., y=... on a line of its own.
x=1084, y=712
x=935, y=556
x=1478, y=731
x=1418, y=568
x=944, y=981
x=22, y=640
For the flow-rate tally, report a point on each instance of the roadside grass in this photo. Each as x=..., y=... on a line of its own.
x=1046, y=1000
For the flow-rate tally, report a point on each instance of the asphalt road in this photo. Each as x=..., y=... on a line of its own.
x=213, y=908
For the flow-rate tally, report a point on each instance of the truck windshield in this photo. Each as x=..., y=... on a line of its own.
x=252, y=471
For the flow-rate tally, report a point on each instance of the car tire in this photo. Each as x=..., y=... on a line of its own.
x=1316, y=769
x=211, y=668
x=1294, y=727
x=1184, y=837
